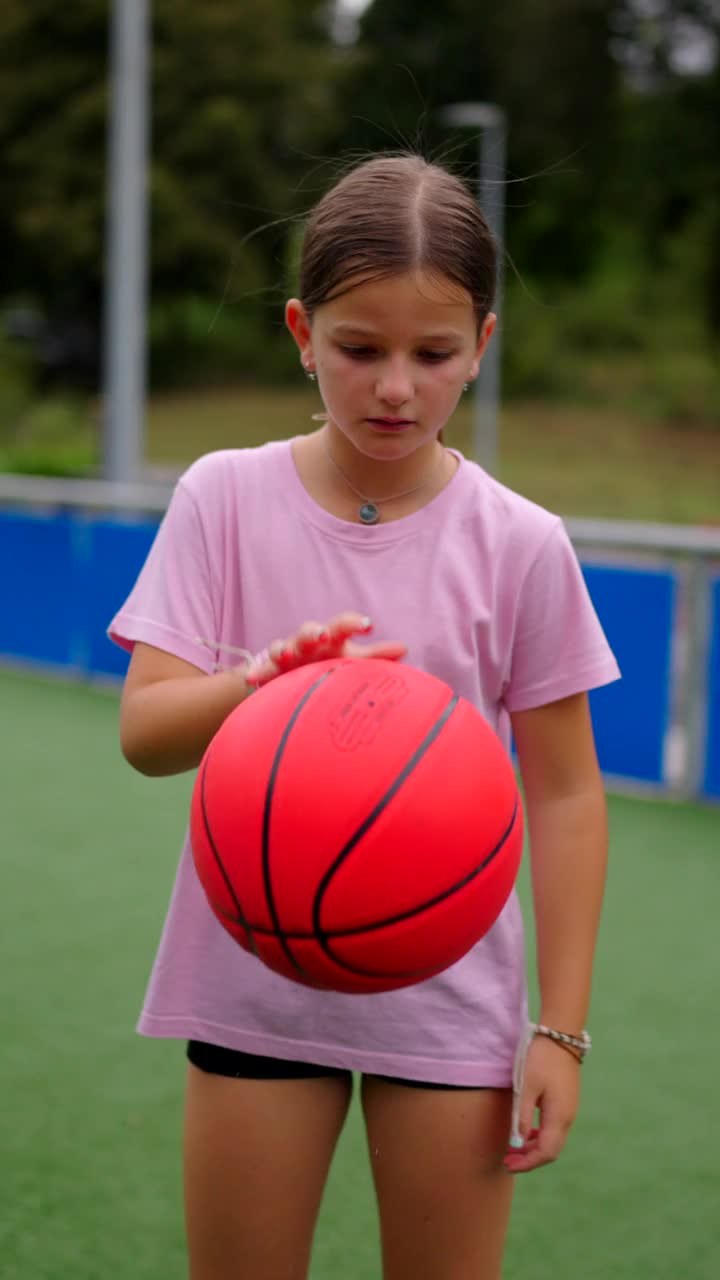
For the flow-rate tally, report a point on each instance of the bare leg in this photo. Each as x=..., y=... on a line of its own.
x=257, y=1154
x=443, y=1195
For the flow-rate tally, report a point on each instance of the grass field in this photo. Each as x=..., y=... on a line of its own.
x=90, y=1114
x=576, y=459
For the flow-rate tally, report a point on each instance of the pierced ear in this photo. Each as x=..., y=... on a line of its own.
x=296, y=319
x=486, y=333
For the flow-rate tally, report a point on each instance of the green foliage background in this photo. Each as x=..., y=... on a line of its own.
x=613, y=219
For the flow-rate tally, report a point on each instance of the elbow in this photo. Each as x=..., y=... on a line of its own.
x=147, y=757
x=139, y=749
x=138, y=756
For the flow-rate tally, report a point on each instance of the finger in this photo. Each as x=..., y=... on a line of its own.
x=346, y=625
x=526, y=1163
x=391, y=650
x=266, y=665
x=525, y=1144
x=551, y=1140
x=525, y=1158
x=311, y=637
x=259, y=674
x=542, y=1147
x=283, y=655
x=519, y=1146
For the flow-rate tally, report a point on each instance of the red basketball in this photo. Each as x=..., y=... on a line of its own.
x=356, y=825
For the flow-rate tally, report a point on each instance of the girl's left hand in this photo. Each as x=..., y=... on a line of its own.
x=552, y=1087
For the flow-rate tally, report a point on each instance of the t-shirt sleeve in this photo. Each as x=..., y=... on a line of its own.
x=171, y=604
x=559, y=646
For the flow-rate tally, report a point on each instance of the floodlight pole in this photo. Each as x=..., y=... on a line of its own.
x=490, y=120
x=125, y=302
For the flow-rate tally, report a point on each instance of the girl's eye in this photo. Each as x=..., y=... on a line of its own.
x=359, y=353
x=367, y=353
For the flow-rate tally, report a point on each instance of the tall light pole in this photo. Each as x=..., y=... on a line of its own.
x=490, y=121
x=124, y=321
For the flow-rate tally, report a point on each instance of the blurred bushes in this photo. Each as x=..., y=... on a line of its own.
x=195, y=341
x=41, y=434
x=630, y=334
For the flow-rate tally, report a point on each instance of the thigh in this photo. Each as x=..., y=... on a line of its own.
x=257, y=1154
x=443, y=1195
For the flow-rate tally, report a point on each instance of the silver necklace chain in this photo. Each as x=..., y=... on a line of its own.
x=369, y=511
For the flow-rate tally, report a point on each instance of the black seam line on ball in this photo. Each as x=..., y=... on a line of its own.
x=241, y=920
x=431, y=902
x=267, y=815
x=360, y=930
x=326, y=939
x=379, y=809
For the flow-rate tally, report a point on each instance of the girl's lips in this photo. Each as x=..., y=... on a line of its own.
x=391, y=424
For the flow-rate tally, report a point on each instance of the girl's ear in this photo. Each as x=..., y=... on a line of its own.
x=296, y=319
x=486, y=334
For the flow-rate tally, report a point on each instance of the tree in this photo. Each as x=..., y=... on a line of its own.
x=240, y=94
x=670, y=50
x=548, y=65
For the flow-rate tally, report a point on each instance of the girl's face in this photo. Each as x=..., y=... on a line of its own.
x=392, y=357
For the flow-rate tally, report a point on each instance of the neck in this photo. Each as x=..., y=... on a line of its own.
x=381, y=477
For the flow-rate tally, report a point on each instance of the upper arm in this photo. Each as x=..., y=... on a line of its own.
x=556, y=748
x=149, y=665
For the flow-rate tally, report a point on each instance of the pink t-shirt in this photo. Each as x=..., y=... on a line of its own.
x=485, y=589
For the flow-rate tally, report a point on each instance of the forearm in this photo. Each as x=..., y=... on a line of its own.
x=569, y=858
x=165, y=727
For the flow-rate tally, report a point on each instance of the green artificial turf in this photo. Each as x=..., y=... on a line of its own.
x=90, y=1113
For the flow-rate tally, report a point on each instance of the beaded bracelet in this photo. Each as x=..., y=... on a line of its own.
x=581, y=1043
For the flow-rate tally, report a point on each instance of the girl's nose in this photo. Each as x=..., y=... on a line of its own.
x=394, y=384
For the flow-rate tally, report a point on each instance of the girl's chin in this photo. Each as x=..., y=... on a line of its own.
x=370, y=439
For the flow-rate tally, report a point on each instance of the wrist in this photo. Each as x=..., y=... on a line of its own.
x=579, y=1045
x=571, y=1020
x=563, y=1048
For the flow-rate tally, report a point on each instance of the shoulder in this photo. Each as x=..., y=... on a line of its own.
x=227, y=471
x=506, y=522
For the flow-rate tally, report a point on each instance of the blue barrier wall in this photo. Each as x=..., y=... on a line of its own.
x=115, y=554
x=637, y=610
x=712, y=768
x=64, y=576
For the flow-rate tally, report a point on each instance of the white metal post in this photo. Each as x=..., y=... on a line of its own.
x=125, y=304
x=492, y=144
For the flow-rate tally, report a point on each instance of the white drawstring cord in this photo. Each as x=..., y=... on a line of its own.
x=526, y=1039
x=249, y=659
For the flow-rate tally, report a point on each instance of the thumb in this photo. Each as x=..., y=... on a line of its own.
x=392, y=650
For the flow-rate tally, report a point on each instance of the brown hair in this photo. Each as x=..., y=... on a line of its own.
x=390, y=215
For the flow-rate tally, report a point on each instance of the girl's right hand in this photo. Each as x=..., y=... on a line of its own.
x=315, y=642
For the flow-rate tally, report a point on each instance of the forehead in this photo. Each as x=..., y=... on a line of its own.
x=419, y=302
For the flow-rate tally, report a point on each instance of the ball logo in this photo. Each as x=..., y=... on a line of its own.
x=363, y=712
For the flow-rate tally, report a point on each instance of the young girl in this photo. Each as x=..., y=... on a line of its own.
x=301, y=550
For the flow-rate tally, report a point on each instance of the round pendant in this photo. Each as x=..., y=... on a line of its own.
x=369, y=513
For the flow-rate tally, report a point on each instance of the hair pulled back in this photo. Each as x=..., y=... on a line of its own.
x=391, y=215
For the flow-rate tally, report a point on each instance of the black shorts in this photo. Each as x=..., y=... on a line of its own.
x=251, y=1066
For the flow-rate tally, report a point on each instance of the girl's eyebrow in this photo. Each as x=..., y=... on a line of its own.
x=342, y=328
